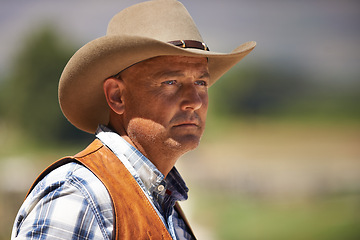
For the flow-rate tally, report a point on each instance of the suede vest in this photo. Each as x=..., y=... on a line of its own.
x=134, y=216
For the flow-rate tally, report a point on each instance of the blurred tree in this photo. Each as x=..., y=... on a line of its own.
x=255, y=91
x=29, y=94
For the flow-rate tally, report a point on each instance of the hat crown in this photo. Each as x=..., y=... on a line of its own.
x=164, y=20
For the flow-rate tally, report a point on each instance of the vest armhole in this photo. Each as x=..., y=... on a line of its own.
x=52, y=167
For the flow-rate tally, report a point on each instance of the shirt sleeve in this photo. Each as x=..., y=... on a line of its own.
x=70, y=208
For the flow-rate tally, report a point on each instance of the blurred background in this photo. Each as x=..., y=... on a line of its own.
x=281, y=155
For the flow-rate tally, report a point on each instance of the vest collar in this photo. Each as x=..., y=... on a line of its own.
x=142, y=169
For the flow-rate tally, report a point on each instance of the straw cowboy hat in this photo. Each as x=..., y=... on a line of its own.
x=142, y=31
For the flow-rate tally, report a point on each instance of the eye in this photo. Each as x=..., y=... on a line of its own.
x=201, y=83
x=169, y=82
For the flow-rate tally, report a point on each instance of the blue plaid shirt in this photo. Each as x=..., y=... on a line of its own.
x=72, y=203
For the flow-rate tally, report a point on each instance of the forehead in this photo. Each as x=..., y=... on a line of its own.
x=167, y=63
x=174, y=60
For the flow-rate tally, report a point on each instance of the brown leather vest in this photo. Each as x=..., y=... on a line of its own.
x=135, y=218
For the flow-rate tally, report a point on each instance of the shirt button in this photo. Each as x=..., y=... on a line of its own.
x=160, y=188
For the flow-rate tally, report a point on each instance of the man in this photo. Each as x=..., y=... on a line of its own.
x=142, y=89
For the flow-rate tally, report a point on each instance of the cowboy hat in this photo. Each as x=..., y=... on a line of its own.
x=142, y=31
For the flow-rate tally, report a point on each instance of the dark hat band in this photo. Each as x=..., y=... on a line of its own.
x=190, y=44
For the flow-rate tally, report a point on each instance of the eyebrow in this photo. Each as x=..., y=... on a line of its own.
x=166, y=74
x=205, y=74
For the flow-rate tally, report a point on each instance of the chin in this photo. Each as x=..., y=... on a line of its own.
x=185, y=143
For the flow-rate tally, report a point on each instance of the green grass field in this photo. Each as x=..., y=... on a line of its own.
x=233, y=216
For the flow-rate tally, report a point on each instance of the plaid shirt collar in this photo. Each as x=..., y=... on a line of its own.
x=143, y=170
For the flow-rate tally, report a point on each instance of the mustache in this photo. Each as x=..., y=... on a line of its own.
x=187, y=118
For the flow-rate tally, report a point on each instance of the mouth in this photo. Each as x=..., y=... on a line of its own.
x=187, y=121
x=187, y=124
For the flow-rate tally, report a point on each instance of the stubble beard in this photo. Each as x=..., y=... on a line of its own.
x=149, y=136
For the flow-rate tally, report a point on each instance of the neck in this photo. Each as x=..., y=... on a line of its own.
x=163, y=160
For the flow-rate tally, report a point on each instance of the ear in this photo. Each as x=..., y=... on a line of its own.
x=113, y=89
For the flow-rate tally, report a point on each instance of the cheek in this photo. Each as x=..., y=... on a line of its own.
x=150, y=106
x=140, y=129
x=205, y=103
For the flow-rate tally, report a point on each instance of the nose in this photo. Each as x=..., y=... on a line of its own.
x=192, y=99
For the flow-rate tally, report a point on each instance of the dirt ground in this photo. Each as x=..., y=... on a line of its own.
x=278, y=159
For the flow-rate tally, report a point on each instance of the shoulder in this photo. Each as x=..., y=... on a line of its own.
x=68, y=192
x=68, y=176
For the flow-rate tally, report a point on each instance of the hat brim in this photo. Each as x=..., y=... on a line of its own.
x=81, y=95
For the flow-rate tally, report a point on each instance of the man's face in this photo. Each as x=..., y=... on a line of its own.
x=166, y=101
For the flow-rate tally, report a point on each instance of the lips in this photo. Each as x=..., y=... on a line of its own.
x=186, y=124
